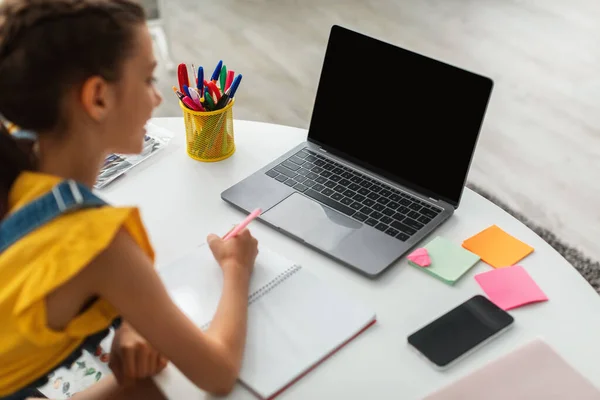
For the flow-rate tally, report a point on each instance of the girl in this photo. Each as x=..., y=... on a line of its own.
x=78, y=73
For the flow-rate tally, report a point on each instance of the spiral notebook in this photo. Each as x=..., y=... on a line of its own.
x=295, y=321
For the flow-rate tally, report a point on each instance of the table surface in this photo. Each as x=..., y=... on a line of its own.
x=180, y=202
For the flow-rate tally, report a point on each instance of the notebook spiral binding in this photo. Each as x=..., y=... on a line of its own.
x=271, y=285
x=268, y=287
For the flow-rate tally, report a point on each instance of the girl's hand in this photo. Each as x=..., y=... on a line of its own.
x=132, y=357
x=236, y=254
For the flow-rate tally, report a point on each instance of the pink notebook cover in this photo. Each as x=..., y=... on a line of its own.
x=532, y=372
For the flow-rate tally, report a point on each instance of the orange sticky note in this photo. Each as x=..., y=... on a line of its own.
x=497, y=248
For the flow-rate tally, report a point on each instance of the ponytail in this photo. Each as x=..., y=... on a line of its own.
x=16, y=156
x=79, y=39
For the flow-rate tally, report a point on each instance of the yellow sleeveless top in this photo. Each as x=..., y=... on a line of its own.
x=36, y=265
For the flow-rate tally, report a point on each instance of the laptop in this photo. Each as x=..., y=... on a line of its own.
x=389, y=146
x=534, y=371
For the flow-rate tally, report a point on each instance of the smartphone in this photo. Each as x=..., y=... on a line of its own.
x=460, y=331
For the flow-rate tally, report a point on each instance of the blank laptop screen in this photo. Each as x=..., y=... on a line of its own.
x=408, y=117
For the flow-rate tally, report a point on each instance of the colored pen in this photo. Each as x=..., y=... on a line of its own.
x=194, y=95
x=215, y=75
x=182, y=97
x=214, y=90
x=222, y=102
x=210, y=104
x=200, y=81
x=208, y=88
x=194, y=72
x=190, y=104
x=240, y=227
x=186, y=100
x=182, y=77
x=223, y=78
x=200, y=107
x=229, y=79
x=186, y=90
x=234, y=86
x=178, y=93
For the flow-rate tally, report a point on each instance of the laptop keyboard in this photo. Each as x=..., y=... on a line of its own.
x=348, y=191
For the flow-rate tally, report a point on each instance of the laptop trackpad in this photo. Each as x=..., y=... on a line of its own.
x=311, y=221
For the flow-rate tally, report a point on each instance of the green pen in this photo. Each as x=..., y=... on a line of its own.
x=208, y=99
x=223, y=78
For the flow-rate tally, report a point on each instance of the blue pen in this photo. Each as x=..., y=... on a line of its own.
x=226, y=98
x=186, y=90
x=234, y=86
x=215, y=75
x=200, y=81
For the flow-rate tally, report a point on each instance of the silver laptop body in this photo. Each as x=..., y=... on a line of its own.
x=359, y=214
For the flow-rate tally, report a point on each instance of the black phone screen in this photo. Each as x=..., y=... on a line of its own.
x=459, y=330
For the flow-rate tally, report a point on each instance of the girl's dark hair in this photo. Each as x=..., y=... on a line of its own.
x=46, y=48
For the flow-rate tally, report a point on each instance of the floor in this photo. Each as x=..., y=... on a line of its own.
x=540, y=146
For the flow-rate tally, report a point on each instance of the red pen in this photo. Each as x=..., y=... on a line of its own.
x=214, y=89
x=230, y=75
x=210, y=88
x=182, y=77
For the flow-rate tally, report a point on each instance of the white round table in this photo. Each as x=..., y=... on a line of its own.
x=180, y=202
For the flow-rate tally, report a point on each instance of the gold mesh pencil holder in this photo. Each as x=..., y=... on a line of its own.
x=209, y=135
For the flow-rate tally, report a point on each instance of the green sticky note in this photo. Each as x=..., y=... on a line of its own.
x=449, y=261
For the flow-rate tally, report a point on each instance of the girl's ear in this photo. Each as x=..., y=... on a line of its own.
x=97, y=98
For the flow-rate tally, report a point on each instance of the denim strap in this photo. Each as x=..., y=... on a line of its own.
x=65, y=197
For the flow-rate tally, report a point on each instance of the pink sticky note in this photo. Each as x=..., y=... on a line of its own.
x=510, y=287
x=420, y=257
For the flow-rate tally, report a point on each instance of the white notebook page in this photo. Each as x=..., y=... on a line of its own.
x=195, y=281
x=291, y=326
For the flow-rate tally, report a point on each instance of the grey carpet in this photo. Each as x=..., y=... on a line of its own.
x=587, y=267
